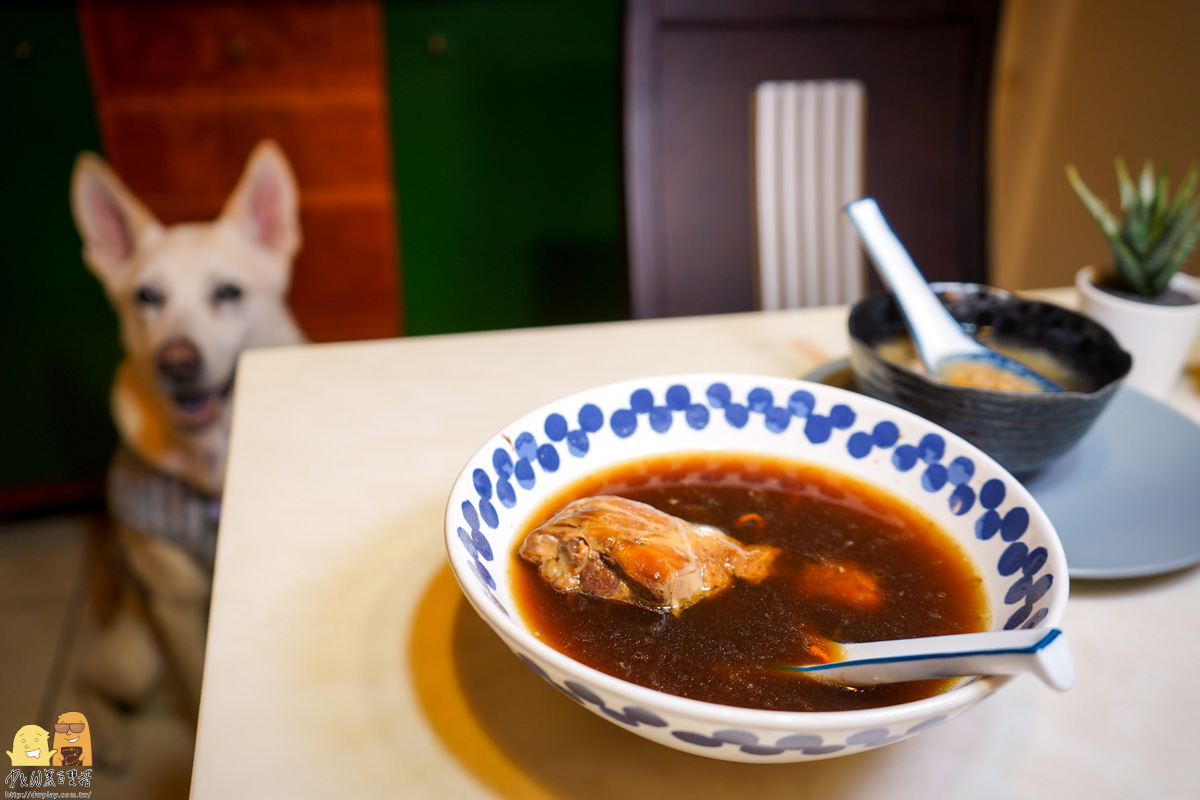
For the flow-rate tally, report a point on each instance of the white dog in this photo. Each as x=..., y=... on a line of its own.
x=190, y=298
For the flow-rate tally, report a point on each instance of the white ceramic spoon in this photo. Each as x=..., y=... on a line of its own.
x=1042, y=651
x=938, y=337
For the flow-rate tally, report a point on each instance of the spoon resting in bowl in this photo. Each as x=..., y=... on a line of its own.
x=947, y=351
x=1042, y=651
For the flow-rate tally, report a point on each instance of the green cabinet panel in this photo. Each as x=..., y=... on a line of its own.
x=506, y=130
x=58, y=336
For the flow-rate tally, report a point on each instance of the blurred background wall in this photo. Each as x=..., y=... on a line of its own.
x=1083, y=81
x=460, y=166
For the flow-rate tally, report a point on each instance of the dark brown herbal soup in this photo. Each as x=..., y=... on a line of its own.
x=856, y=565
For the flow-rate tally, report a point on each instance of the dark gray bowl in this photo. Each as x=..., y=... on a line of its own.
x=1024, y=431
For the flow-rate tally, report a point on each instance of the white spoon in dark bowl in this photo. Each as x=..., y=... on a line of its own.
x=1042, y=651
x=945, y=348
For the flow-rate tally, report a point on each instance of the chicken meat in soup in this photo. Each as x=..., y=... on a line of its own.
x=618, y=549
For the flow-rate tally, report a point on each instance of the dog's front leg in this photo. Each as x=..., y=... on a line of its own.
x=178, y=591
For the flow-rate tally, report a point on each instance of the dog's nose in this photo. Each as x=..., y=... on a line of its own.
x=179, y=360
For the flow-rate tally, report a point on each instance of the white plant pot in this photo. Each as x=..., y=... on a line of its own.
x=1158, y=337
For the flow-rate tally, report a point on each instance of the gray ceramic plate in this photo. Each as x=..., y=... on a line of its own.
x=1126, y=499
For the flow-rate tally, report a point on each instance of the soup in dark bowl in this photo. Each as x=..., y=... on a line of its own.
x=1024, y=431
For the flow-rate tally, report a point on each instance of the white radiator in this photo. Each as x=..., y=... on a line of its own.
x=808, y=159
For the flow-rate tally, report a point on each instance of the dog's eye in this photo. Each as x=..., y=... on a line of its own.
x=149, y=296
x=227, y=293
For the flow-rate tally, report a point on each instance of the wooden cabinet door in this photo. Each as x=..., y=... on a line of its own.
x=691, y=69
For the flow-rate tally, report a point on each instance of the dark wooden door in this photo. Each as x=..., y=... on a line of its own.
x=691, y=70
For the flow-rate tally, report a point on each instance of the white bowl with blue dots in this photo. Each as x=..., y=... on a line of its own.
x=988, y=512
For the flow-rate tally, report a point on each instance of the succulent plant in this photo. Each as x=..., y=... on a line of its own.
x=1157, y=232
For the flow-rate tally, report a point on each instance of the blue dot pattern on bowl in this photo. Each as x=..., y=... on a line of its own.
x=926, y=460
x=810, y=744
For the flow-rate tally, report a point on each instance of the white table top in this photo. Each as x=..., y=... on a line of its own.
x=344, y=662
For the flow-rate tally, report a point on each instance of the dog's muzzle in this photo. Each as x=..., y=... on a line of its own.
x=181, y=368
x=179, y=361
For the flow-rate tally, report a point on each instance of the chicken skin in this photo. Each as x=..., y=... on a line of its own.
x=622, y=550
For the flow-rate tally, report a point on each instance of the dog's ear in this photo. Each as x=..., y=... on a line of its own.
x=266, y=203
x=109, y=217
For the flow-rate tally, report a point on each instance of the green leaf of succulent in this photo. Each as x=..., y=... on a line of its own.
x=1137, y=229
x=1128, y=193
x=1180, y=256
x=1165, y=251
x=1159, y=219
x=1138, y=215
x=1100, y=213
x=1186, y=245
x=1156, y=233
x=1129, y=267
x=1186, y=193
x=1147, y=183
